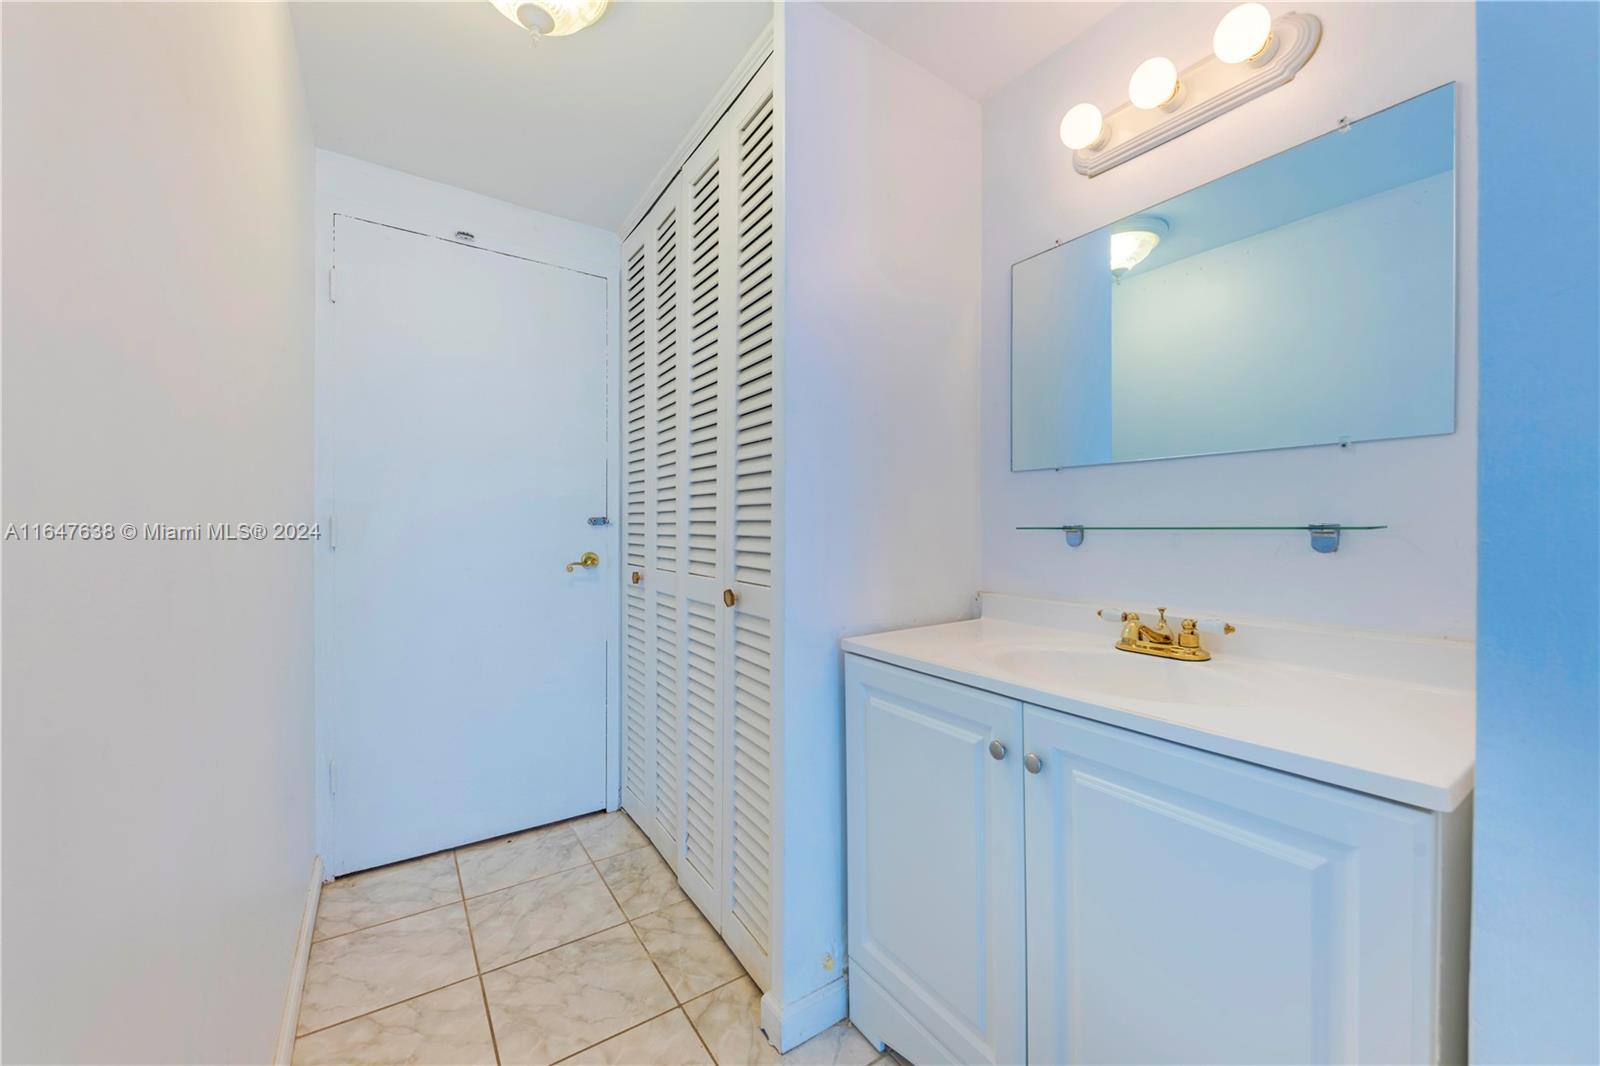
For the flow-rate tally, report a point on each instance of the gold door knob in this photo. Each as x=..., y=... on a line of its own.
x=729, y=597
x=637, y=577
x=588, y=560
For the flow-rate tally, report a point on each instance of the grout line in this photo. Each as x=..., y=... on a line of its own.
x=391, y=921
x=540, y=877
x=554, y=947
x=472, y=939
x=701, y=1036
x=629, y=1029
x=673, y=992
x=624, y=851
x=377, y=1010
x=663, y=1014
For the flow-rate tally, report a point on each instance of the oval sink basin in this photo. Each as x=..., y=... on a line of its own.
x=1126, y=675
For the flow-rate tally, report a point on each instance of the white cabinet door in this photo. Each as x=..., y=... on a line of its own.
x=936, y=870
x=1184, y=907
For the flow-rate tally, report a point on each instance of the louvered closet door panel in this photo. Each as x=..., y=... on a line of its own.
x=663, y=576
x=638, y=608
x=705, y=370
x=749, y=684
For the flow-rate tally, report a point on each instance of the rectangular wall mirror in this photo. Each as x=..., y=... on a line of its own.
x=1306, y=299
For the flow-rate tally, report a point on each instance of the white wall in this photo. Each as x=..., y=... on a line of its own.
x=880, y=342
x=353, y=187
x=157, y=360
x=1416, y=577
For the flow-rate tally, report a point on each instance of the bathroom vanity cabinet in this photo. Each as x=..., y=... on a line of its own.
x=1028, y=884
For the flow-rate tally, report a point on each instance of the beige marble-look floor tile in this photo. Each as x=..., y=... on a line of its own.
x=665, y=1041
x=526, y=919
x=692, y=957
x=360, y=972
x=641, y=881
x=500, y=863
x=443, y=1028
x=608, y=833
x=364, y=899
x=729, y=1021
x=566, y=999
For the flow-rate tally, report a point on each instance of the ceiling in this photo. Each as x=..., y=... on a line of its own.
x=574, y=126
x=975, y=46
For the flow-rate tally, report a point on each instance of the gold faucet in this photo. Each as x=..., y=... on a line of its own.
x=1159, y=639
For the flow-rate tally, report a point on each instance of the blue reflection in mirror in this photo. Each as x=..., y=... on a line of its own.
x=1306, y=299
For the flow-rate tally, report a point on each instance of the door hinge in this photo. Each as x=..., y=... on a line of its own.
x=332, y=297
x=333, y=540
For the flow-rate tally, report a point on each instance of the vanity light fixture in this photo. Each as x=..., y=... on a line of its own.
x=1252, y=53
x=551, y=18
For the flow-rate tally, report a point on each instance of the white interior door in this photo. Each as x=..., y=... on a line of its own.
x=468, y=453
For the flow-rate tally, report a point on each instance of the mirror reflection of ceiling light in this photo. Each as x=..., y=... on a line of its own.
x=552, y=18
x=1253, y=53
x=1132, y=240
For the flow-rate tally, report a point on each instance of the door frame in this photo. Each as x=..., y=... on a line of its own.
x=356, y=191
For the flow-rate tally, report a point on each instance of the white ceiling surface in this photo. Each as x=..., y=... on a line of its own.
x=574, y=126
x=976, y=47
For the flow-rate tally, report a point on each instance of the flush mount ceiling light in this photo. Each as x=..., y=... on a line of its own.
x=551, y=18
x=1252, y=53
x=1132, y=240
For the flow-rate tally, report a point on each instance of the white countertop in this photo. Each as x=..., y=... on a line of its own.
x=1389, y=737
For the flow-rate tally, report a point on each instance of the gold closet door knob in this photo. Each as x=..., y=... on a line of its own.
x=729, y=597
x=637, y=577
x=588, y=560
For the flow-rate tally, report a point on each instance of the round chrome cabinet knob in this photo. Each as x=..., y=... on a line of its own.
x=1032, y=763
x=997, y=749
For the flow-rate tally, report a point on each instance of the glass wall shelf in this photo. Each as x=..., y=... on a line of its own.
x=1324, y=535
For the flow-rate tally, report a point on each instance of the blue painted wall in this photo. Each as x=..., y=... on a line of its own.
x=1536, y=915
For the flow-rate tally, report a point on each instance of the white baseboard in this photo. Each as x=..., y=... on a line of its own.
x=297, y=972
x=788, y=1025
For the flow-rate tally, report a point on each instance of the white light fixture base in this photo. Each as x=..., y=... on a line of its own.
x=1209, y=88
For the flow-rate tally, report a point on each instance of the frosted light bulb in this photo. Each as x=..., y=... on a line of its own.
x=1083, y=127
x=1154, y=84
x=1245, y=33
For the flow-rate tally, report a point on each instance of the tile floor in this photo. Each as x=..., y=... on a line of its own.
x=569, y=943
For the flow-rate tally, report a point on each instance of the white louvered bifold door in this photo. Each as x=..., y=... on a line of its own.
x=638, y=493
x=662, y=576
x=705, y=370
x=749, y=521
